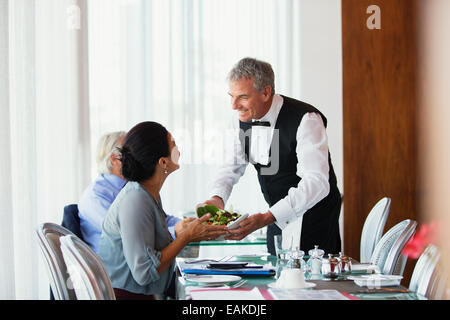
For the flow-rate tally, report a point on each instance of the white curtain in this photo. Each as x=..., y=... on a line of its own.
x=167, y=61
x=71, y=70
x=45, y=131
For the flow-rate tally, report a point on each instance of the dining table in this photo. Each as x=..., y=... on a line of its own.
x=324, y=288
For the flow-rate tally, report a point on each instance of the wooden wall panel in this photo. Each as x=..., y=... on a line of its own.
x=379, y=114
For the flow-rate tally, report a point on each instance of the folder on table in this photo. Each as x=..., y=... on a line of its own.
x=267, y=271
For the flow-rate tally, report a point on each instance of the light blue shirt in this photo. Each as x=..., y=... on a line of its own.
x=94, y=204
x=134, y=233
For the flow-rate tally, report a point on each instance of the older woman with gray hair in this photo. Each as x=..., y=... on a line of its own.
x=100, y=194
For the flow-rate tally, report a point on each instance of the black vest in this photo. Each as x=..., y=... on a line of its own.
x=320, y=223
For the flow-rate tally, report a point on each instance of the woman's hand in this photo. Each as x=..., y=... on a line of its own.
x=193, y=231
x=196, y=231
x=181, y=225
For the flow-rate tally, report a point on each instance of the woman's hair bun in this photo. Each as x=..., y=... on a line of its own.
x=132, y=170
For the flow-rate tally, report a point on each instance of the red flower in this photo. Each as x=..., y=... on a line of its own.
x=420, y=240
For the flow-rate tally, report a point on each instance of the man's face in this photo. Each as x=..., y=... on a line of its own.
x=247, y=101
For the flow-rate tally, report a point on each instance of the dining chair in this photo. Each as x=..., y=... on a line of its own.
x=395, y=260
x=373, y=228
x=424, y=278
x=439, y=289
x=387, y=253
x=49, y=236
x=88, y=274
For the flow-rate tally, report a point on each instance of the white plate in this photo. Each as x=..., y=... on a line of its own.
x=309, y=285
x=235, y=223
x=376, y=280
x=380, y=277
x=212, y=280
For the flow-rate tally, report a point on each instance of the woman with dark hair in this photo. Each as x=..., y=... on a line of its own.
x=136, y=246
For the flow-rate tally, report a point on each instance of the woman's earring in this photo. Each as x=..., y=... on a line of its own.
x=166, y=171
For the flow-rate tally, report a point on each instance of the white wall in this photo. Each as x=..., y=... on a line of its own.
x=321, y=71
x=321, y=65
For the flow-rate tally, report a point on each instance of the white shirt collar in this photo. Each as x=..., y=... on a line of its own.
x=272, y=114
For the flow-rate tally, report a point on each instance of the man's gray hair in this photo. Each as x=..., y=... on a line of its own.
x=260, y=71
x=107, y=145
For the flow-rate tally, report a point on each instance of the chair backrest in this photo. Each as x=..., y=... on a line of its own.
x=424, y=271
x=71, y=220
x=438, y=288
x=373, y=228
x=49, y=235
x=395, y=261
x=88, y=274
x=388, y=249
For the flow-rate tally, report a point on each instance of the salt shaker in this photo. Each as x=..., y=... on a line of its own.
x=346, y=263
x=315, y=260
x=296, y=258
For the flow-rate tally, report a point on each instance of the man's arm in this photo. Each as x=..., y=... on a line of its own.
x=232, y=169
x=312, y=153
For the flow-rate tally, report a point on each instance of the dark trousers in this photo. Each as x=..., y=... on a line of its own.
x=127, y=295
x=320, y=227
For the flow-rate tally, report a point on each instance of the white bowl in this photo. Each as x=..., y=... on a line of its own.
x=292, y=279
x=233, y=225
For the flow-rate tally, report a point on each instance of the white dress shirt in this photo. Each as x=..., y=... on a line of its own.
x=312, y=167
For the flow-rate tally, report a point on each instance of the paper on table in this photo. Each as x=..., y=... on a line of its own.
x=365, y=267
x=226, y=294
x=298, y=294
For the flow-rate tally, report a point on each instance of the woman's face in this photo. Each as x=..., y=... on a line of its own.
x=174, y=154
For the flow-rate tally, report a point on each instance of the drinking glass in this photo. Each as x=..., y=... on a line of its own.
x=281, y=252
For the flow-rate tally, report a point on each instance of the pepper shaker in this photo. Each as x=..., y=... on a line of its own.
x=346, y=263
x=331, y=267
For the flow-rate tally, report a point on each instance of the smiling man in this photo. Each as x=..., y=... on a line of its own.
x=275, y=129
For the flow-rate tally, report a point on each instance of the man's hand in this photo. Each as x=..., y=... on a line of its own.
x=252, y=223
x=216, y=201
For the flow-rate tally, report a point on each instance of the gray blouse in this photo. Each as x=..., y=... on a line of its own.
x=134, y=232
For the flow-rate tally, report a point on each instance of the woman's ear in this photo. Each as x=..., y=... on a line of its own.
x=162, y=162
x=114, y=159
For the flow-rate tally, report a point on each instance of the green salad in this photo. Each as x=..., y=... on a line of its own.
x=218, y=216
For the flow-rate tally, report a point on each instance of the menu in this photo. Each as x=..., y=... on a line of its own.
x=299, y=294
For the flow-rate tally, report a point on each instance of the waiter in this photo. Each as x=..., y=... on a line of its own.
x=286, y=141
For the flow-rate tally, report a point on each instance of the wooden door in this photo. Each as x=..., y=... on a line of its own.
x=379, y=114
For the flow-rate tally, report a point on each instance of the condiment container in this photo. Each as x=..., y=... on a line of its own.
x=296, y=259
x=346, y=263
x=315, y=260
x=331, y=267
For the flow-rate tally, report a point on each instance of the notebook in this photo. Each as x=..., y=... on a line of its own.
x=266, y=270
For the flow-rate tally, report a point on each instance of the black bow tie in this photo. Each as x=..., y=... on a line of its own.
x=260, y=123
